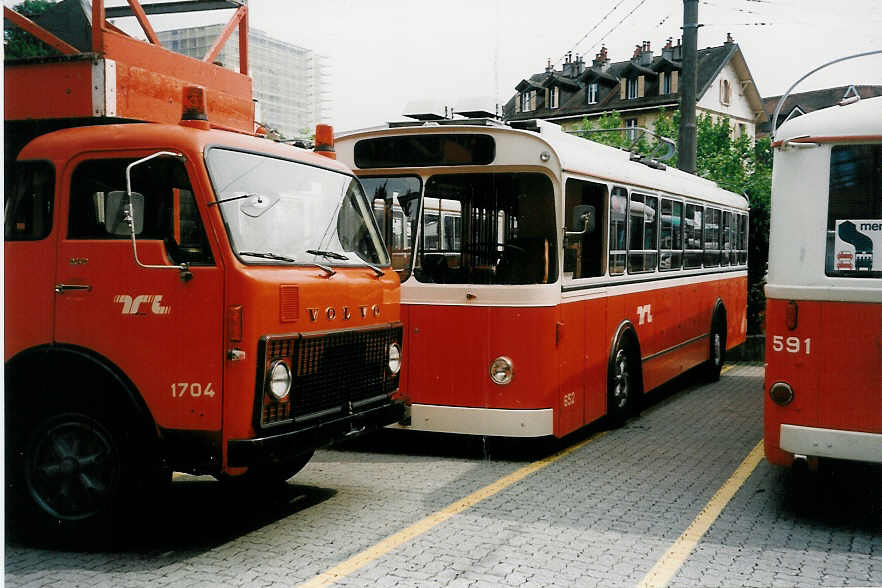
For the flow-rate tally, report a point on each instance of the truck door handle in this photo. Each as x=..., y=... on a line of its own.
x=62, y=288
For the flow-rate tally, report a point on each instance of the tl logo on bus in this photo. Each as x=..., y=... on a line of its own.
x=133, y=305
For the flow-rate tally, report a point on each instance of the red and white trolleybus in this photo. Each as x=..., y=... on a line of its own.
x=547, y=280
x=824, y=290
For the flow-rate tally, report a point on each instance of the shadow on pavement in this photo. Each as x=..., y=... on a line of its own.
x=191, y=515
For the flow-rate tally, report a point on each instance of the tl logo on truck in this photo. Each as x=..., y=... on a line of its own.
x=131, y=306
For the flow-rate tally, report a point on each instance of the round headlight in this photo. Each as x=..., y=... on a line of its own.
x=394, y=358
x=501, y=370
x=279, y=380
x=781, y=393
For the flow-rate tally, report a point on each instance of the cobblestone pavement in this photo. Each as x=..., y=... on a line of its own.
x=602, y=515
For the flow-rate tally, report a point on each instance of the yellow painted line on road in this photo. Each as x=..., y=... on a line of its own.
x=726, y=368
x=360, y=560
x=663, y=571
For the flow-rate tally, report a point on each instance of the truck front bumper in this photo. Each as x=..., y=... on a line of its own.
x=291, y=443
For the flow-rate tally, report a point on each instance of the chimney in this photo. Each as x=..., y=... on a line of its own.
x=668, y=49
x=645, y=54
x=729, y=39
x=571, y=68
x=638, y=49
x=549, y=68
x=580, y=65
x=678, y=51
x=601, y=60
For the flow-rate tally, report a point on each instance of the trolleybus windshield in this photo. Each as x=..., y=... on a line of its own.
x=281, y=211
x=854, y=213
x=495, y=228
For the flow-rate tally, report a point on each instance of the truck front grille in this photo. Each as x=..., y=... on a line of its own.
x=333, y=372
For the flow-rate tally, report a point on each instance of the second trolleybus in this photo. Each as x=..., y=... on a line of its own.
x=547, y=280
x=824, y=290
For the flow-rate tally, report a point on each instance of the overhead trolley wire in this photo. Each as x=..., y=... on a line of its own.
x=594, y=28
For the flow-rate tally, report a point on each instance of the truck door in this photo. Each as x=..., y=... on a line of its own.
x=162, y=328
x=29, y=251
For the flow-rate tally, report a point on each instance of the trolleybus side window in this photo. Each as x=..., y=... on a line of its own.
x=671, y=235
x=503, y=230
x=396, y=203
x=642, y=233
x=170, y=212
x=854, y=212
x=617, y=231
x=584, y=252
x=711, y=237
x=726, y=239
x=692, y=232
x=742, y=239
x=29, y=201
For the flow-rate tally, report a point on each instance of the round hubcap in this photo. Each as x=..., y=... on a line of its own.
x=622, y=388
x=72, y=468
x=717, y=348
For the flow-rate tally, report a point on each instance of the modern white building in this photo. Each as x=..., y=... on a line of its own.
x=290, y=82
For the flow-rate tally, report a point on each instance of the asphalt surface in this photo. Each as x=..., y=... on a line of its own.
x=418, y=509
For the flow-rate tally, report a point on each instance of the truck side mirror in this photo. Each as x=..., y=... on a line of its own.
x=118, y=219
x=583, y=220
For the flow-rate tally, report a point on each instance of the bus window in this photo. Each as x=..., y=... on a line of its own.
x=854, y=212
x=501, y=230
x=742, y=239
x=671, y=235
x=711, y=237
x=643, y=233
x=396, y=206
x=726, y=238
x=692, y=232
x=618, y=206
x=584, y=253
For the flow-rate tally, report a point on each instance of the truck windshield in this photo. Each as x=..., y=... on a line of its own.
x=281, y=212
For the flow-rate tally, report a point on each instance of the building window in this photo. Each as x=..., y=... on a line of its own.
x=632, y=89
x=631, y=125
x=592, y=93
x=725, y=92
x=553, y=97
x=527, y=101
x=666, y=83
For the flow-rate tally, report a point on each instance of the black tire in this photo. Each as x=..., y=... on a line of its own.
x=717, y=348
x=73, y=475
x=622, y=385
x=276, y=473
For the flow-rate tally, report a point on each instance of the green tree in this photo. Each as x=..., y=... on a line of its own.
x=738, y=164
x=18, y=44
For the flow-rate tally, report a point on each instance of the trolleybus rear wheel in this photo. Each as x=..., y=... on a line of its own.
x=622, y=386
x=717, y=353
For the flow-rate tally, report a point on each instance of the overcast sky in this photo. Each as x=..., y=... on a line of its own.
x=384, y=55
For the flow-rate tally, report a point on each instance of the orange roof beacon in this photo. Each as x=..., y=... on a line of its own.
x=181, y=294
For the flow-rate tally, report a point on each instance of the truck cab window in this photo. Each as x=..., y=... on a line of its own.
x=170, y=211
x=29, y=201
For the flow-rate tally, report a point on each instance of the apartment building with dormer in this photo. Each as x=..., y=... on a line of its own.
x=640, y=88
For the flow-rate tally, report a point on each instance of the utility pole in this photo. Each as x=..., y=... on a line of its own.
x=686, y=143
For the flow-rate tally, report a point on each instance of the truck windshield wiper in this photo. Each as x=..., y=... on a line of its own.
x=329, y=254
x=267, y=255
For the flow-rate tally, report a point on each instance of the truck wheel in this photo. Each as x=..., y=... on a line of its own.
x=69, y=474
x=621, y=386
